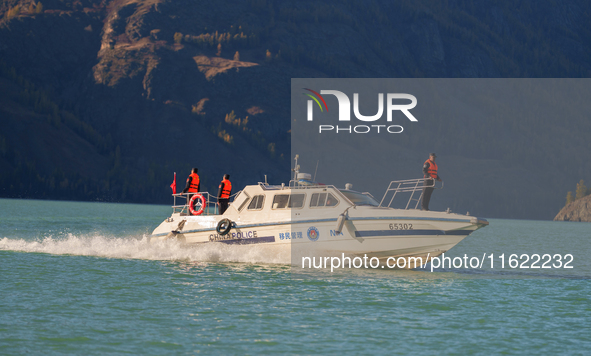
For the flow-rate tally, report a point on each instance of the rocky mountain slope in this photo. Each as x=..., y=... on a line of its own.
x=579, y=210
x=104, y=99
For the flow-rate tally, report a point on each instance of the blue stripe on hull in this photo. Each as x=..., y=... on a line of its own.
x=372, y=233
x=256, y=240
x=315, y=221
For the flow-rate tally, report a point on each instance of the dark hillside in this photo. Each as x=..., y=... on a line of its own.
x=136, y=89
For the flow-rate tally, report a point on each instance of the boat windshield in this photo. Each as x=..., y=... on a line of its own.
x=359, y=198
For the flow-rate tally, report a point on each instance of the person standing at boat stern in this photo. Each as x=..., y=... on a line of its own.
x=224, y=192
x=429, y=173
x=192, y=184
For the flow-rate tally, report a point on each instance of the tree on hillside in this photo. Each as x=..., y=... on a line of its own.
x=178, y=37
x=219, y=53
x=569, y=198
x=39, y=8
x=12, y=12
x=581, y=190
x=236, y=56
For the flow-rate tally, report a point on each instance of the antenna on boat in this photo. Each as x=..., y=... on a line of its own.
x=296, y=169
x=316, y=170
x=265, y=179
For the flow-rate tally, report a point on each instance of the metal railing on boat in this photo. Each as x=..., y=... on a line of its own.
x=408, y=186
x=211, y=203
x=295, y=185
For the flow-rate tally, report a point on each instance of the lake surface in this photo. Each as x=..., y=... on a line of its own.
x=80, y=278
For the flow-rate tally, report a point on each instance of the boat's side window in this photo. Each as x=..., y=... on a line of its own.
x=318, y=199
x=280, y=201
x=331, y=200
x=241, y=200
x=256, y=203
x=314, y=200
x=323, y=199
x=296, y=201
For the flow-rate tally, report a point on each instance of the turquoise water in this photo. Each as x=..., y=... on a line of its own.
x=80, y=278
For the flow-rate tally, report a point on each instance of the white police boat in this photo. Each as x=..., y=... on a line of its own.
x=320, y=218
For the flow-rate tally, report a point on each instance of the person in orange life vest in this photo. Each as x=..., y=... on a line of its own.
x=192, y=184
x=429, y=173
x=224, y=192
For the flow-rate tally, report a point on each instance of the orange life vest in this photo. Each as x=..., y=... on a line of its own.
x=227, y=189
x=194, y=187
x=432, y=171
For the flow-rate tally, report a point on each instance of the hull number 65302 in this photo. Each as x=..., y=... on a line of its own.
x=400, y=226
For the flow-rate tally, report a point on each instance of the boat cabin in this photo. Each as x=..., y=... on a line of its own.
x=294, y=198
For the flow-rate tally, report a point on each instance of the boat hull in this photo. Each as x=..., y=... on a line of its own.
x=389, y=234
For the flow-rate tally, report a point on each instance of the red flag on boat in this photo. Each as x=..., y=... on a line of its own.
x=173, y=185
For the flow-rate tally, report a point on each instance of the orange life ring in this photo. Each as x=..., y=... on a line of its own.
x=192, y=204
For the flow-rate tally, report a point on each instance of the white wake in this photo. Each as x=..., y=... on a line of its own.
x=140, y=248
